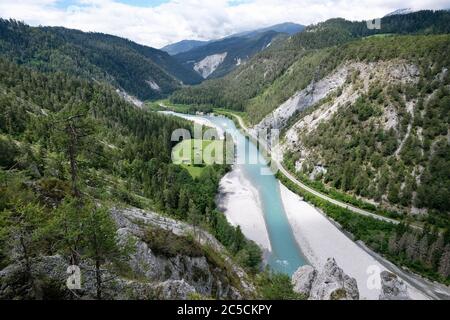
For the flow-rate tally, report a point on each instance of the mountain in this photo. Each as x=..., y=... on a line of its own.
x=287, y=27
x=183, y=46
x=77, y=160
x=400, y=11
x=140, y=71
x=257, y=87
x=218, y=58
x=213, y=59
x=187, y=45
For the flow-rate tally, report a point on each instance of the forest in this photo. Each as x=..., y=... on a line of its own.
x=371, y=163
x=122, y=63
x=71, y=150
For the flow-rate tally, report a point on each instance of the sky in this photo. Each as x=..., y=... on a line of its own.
x=160, y=22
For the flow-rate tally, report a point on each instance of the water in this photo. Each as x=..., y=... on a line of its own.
x=286, y=255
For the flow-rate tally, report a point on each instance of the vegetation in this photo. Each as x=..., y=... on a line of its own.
x=122, y=63
x=424, y=252
x=364, y=157
x=276, y=286
x=76, y=148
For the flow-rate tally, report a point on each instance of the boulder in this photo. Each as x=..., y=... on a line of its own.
x=331, y=283
x=303, y=280
x=392, y=288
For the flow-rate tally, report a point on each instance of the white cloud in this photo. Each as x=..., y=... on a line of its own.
x=196, y=19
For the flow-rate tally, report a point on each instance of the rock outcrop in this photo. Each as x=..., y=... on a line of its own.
x=302, y=100
x=303, y=280
x=331, y=283
x=392, y=288
x=148, y=273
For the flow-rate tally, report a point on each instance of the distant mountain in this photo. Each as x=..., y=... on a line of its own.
x=213, y=59
x=400, y=11
x=140, y=71
x=287, y=27
x=407, y=11
x=183, y=46
x=218, y=58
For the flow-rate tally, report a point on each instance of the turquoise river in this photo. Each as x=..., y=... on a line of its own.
x=286, y=255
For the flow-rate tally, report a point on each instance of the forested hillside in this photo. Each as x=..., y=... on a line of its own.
x=254, y=88
x=140, y=71
x=71, y=145
x=394, y=127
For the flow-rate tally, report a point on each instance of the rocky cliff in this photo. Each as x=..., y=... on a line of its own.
x=169, y=260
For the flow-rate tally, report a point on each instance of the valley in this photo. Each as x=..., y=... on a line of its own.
x=287, y=162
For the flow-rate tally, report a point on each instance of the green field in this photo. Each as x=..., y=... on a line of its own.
x=195, y=154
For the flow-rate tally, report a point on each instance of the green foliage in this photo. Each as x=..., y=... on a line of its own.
x=8, y=153
x=122, y=155
x=276, y=286
x=365, y=159
x=117, y=61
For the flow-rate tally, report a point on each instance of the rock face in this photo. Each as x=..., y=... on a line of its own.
x=303, y=280
x=322, y=110
x=331, y=283
x=392, y=288
x=148, y=274
x=302, y=100
x=208, y=65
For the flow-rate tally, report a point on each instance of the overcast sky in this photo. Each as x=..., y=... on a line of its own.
x=160, y=22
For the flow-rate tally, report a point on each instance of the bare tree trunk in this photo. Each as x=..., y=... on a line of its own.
x=98, y=276
x=28, y=271
x=73, y=157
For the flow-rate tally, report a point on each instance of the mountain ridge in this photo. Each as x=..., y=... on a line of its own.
x=182, y=46
x=120, y=62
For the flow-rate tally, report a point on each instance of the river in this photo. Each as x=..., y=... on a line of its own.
x=286, y=255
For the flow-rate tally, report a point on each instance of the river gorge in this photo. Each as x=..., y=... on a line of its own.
x=292, y=232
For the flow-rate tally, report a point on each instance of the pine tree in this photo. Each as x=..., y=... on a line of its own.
x=71, y=132
x=393, y=246
x=25, y=228
x=423, y=249
x=402, y=243
x=435, y=252
x=100, y=242
x=412, y=247
x=194, y=217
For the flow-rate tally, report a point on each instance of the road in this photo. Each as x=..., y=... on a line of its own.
x=316, y=193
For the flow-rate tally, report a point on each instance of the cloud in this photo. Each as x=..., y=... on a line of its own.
x=176, y=20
